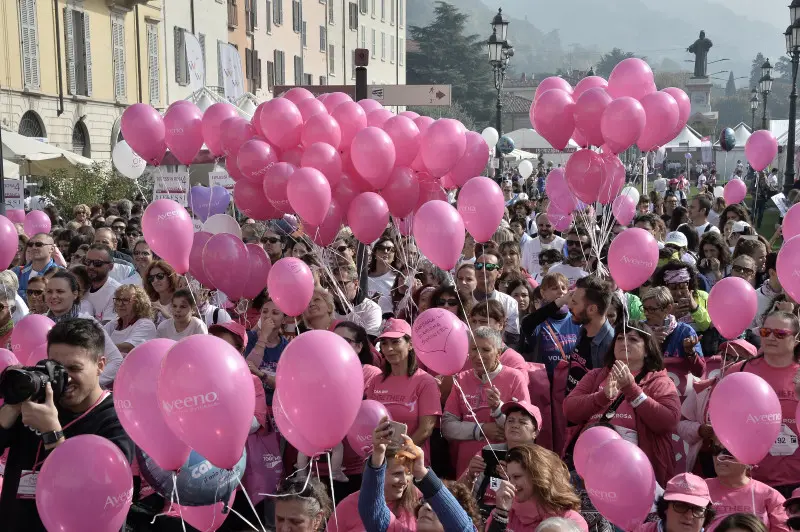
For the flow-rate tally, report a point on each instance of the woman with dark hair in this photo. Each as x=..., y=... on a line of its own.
x=634, y=395
x=466, y=281
x=383, y=267
x=160, y=281
x=356, y=336
x=680, y=215
x=692, y=240
x=736, y=213
x=446, y=297
x=742, y=522
x=685, y=506
x=691, y=304
x=715, y=257
x=522, y=292
x=615, y=311
x=302, y=505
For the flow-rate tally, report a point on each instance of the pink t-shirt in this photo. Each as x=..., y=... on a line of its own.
x=510, y=383
x=769, y=503
x=508, y=358
x=350, y=521
x=782, y=465
x=407, y=399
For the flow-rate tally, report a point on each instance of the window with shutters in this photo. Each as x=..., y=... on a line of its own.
x=118, y=56
x=201, y=37
x=181, y=64
x=252, y=66
x=277, y=12
x=254, y=15
x=152, y=65
x=383, y=46
x=331, y=15
x=270, y=75
x=248, y=15
x=78, y=52
x=362, y=6
x=298, y=70
x=383, y=10
x=30, y=44
x=363, y=36
x=323, y=38
x=296, y=18
x=401, y=12
x=393, y=12
x=401, y=52
x=353, y=64
x=308, y=79
x=352, y=16
x=391, y=48
x=304, y=36
x=374, y=43
x=280, y=67
x=332, y=59
x=269, y=16
x=233, y=14
x=323, y=80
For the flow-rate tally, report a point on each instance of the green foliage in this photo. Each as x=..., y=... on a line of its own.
x=610, y=60
x=88, y=185
x=730, y=87
x=455, y=111
x=755, y=70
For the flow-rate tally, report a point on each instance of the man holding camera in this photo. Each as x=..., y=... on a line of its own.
x=59, y=398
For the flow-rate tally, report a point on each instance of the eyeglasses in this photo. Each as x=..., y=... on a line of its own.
x=133, y=234
x=122, y=300
x=34, y=292
x=118, y=228
x=95, y=263
x=447, y=302
x=342, y=249
x=385, y=249
x=157, y=277
x=141, y=254
x=270, y=239
x=651, y=309
x=38, y=244
x=488, y=265
x=349, y=341
x=780, y=334
x=682, y=508
x=742, y=270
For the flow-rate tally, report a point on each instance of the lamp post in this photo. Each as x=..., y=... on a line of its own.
x=793, y=50
x=765, y=87
x=500, y=53
x=753, y=108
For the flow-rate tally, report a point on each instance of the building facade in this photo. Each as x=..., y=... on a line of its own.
x=69, y=69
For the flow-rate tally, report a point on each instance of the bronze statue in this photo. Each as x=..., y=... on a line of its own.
x=700, y=50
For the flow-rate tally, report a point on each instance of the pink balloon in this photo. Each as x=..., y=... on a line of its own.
x=293, y=156
x=553, y=82
x=334, y=99
x=36, y=355
x=442, y=145
x=439, y=231
x=558, y=191
x=743, y=400
x=552, y=117
x=440, y=341
x=360, y=434
x=289, y=431
x=136, y=403
x=213, y=118
x=9, y=240
x=224, y=258
x=311, y=107
x=429, y=191
x=632, y=258
x=259, y=267
x=169, y=231
x=373, y=155
x=309, y=195
x=321, y=128
x=276, y=179
x=184, y=131
x=7, y=358
x=235, y=132
x=622, y=123
x=325, y=233
x=406, y=138
x=196, y=259
x=590, y=440
x=378, y=117
x=632, y=77
x=401, y=192
x=29, y=333
x=207, y=398
x=790, y=227
x=281, y=123
x=624, y=209
x=250, y=199
x=684, y=108
x=178, y=103
x=473, y=162
x=324, y=158
x=36, y=222
x=585, y=173
x=761, y=148
x=297, y=95
x=614, y=179
x=291, y=285
x=369, y=105
x=71, y=497
x=144, y=130
x=788, y=263
x=589, y=82
x=368, y=216
x=324, y=362
x=233, y=169
x=351, y=119
x=481, y=205
x=561, y=220
x=423, y=123
x=735, y=191
x=662, y=114
x=579, y=139
x=732, y=305
x=210, y=517
x=347, y=189
x=254, y=158
x=409, y=114
x=588, y=112
x=17, y=216
x=624, y=495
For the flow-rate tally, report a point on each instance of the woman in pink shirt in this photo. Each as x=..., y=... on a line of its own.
x=486, y=386
x=491, y=314
x=778, y=366
x=410, y=394
x=733, y=491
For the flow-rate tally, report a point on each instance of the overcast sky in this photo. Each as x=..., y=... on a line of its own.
x=773, y=11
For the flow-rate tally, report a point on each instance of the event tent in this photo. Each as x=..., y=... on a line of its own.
x=687, y=138
x=10, y=170
x=35, y=157
x=529, y=140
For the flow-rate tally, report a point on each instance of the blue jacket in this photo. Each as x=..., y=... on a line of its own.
x=600, y=343
x=25, y=273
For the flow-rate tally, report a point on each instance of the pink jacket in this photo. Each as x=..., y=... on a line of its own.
x=694, y=409
x=528, y=515
x=656, y=418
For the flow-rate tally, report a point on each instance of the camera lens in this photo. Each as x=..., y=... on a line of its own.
x=18, y=385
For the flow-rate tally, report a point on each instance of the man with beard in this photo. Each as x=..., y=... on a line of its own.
x=99, y=261
x=579, y=249
x=123, y=268
x=31, y=429
x=547, y=239
x=487, y=270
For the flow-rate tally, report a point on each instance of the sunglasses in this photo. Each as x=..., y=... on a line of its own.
x=157, y=277
x=342, y=249
x=678, y=286
x=780, y=334
x=34, y=292
x=95, y=263
x=447, y=302
x=682, y=508
x=271, y=240
x=134, y=234
x=489, y=267
x=38, y=244
x=387, y=249
x=742, y=270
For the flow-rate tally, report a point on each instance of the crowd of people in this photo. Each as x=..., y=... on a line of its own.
x=555, y=348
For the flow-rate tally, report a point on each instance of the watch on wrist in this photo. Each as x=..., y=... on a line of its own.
x=52, y=437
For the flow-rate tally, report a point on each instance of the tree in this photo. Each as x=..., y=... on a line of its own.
x=783, y=68
x=88, y=185
x=455, y=111
x=671, y=79
x=610, y=60
x=730, y=87
x=446, y=55
x=755, y=70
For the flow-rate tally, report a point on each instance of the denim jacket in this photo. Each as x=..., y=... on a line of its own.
x=600, y=343
x=25, y=273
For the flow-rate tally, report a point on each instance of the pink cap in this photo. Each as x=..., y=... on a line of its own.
x=395, y=328
x=740, y=343
x=533, y=410
x=688, y=488
x=237, y=330
x=793, y=500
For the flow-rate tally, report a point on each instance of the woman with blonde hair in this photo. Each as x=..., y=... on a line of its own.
x=319, y=313
x=538, y=488
x=133, y=325
x=160, y=281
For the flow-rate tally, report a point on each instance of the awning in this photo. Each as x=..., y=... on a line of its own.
x=38, y=158
x=10, y=170
x=518, y=155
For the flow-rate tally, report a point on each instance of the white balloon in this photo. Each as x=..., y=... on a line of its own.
x=222, y=223
x=491, y=136
x=631, y=193
x=719, y=192
x=127, y=162
x=525, y=168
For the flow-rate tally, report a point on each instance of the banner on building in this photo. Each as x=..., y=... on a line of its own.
x=220, y=178
x=174, y=186
x=232, y=76
x=706, y=150
x=194, y=58
x=14, y=196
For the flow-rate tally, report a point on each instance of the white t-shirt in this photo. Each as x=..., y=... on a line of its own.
x=382, y=285
x=707, y=227
x=368, y=314
x=532, y=249
x=511, y=308
x=572, y=273
x=122, y=273
x=134, y=279
x=137, y=333
x=167, y=329
x=103, y=300
x=660, y=185
x=701, y=181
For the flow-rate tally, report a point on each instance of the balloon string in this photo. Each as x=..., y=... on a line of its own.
x=240, y=516
x=480, y=425
x=252, y=507
x=333, y=496
x=469, y=328
x=172, y=498
x=305, y=486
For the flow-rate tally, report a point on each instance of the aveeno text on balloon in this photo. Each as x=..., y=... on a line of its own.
x=192, y=403
x=118, y=500
x=762, y=419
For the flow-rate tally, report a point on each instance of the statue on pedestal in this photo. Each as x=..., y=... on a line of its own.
x=700, y=50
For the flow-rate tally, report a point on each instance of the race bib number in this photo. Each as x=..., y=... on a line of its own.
x=27, y=485
x=786, y=442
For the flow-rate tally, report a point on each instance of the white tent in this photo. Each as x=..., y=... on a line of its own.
x=519, y=155
x=687, y=138
x=37, y=158
x=248, y=103
x=10, y=170
x=741, y=133
x=529, y=140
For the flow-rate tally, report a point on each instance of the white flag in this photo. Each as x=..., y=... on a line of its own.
x=232, y=77
x=194, y=58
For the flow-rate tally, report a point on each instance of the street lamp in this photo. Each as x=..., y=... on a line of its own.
x=500, y=52
x=765, y=87
x=793, y=50
x=753, y=108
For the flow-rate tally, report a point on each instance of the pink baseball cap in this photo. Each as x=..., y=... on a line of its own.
x=533, y=410
x=688, y=488
x=395, y=328
x=740, y=343
x=237, y=330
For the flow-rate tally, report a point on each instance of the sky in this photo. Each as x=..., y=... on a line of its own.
x=773, y=11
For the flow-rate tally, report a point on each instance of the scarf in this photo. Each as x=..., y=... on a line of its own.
x=669, y=328
x=73, y=313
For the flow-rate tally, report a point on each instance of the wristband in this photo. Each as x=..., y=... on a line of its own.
x=639, y=400
x=501, y=516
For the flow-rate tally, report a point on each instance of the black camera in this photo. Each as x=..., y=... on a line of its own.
x=18, y=384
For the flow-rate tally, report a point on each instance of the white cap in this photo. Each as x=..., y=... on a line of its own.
x=739, y=226
x=676, y=238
